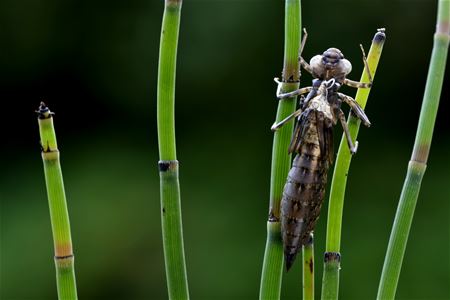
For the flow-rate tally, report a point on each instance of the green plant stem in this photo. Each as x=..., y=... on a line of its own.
x=330, y=282
x=273, y=257
x=59, y=216
x=308, y=269
x=417, y=164
x=172, y=230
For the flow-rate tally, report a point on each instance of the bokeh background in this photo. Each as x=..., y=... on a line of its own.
x=95, y=64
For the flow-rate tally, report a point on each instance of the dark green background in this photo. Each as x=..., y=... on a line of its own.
x=95, y=64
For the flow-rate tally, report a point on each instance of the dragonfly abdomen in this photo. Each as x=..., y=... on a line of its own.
x=302, y=197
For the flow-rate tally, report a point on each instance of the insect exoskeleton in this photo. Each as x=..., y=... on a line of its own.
x=312, y=141
x=330, y=64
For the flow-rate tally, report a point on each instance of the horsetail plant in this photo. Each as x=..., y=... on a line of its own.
x=330, y=282
x=59, y=216
x=308, y=269
x=172, y=229
x=273, y=257
x=417, y=164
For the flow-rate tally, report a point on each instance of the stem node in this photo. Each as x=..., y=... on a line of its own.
x=332, y=257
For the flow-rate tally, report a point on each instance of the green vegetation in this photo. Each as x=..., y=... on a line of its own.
x=168, y=165
x=224, y=102
x=308, y=269
x=417, y=164
x=272, y=271
x=330, y=283
x=59, y=216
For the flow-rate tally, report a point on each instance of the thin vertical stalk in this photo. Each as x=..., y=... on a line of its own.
x=308, y=269
x=172, y=230
x=417, y=164
x=281, y=160
x=330, y=282
x=59, y=216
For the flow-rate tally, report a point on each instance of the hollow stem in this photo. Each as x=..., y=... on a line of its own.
x=308, y=269
x=273, y=257
x=417, y=165
x=172, y=230
x=59, y=216
x=330, y=282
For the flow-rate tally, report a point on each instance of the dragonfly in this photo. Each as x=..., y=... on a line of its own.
x=312, y=142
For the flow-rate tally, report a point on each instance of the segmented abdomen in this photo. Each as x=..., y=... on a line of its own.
x=303, y=193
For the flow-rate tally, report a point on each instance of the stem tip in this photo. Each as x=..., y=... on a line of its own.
x=43, y=111
x=380, y=36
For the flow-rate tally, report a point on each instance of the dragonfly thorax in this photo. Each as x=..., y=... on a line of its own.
x=320, y=101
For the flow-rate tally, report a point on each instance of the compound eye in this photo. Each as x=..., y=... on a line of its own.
x=317, y=66
x=345, y=66
x=315, y=61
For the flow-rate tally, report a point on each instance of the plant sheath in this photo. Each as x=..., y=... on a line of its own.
x=281, y=160
x=417, y=164
x=330, y=282
x=172, y=229
x=59, y=216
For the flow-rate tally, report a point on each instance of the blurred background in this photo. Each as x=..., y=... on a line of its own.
x=95, y=64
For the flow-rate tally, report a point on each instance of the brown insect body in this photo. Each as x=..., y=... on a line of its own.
x=304, y=190
x=305, y=187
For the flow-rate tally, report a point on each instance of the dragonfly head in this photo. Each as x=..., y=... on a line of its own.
x=331, y=58
x=331, y=64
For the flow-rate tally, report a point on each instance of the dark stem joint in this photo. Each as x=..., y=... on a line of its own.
x=288, y=77
x=290, y=80
x=47, y=150
x=63, y=257
x=332, y=257
x=273, y=218
x=165, y=165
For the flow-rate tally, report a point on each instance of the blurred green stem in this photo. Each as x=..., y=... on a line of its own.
x=417, y=164
x=59, y=216
x=308, y=269
x=172, y=230
x=330, y=282
x=273, y=257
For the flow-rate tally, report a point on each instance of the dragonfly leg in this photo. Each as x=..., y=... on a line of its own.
x=366, y=65
x=301, y=91
x=281, y=95
x=303, y=62
x=357, y=84
x=302, y=45
x=305, y=65
x=356, y=108
x=278, y=125
x=353, y=147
